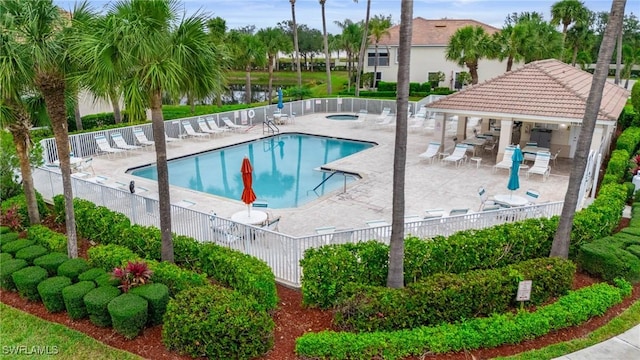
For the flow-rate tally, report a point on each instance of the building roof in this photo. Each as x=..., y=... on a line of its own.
x=545, y=89
x=432, y=32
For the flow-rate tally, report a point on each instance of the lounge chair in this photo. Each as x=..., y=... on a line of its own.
x=362, y=118
x=383, y=115
x=458, y=155
x=205, y=128
x=223, y=231
x=105, y=147
x=433, y=213
x=141, y=138
x=532, y=195
x=389, y=120
x=431, y=152
x=232, y=126
x=214, y=126
x=454, y=212
x=192, y=133
x=272, y=224
x=121, y=143
x=541, y=165
x=506, y=159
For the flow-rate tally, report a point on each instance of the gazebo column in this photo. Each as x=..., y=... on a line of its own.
x=440, y=130
x=506, y=128
x=484, y=125
x=461, y=131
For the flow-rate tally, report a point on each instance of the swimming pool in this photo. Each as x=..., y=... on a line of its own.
x=285, y=168
x=342, y=117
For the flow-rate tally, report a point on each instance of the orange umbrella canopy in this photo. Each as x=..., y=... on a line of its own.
x=248, y=196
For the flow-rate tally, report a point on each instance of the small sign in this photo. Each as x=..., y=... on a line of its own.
x=339, y=101
x=524, y=290
x=318, y=102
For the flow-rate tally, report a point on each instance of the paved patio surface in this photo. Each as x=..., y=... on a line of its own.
x=427, y=185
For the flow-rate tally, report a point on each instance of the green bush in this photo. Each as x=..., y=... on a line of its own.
x=217, y=323
x=608, y=258
x=5, y=257
x=42, y=235
x=50, y=291
x=174, y=277
x=51, y=262
x=72, y=268
x=13, y=247
x=107, y=279
x=8, y=237
x=20, y=202
x=629, y=140
x=4, y=229
x=97, y=301
x=7, y=269
x=128, y=314
x=91, y=274
x=618, y=166
x=27, y=280
x=495, y=330
x=30, y=253
x=99, y=223
x=452, y=297
x=157, y=295
x=246, y=274
x=73, y=297
x=108, y=257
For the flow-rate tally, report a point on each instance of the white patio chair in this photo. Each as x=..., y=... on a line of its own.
x=532, y=195
x=506, y=159
x=454, y=212
x=205, y=128
x=554, y=157
x=232, y=126
x=223, y=231
x=431, y=152
x=433, y=213
x=214, y=126
x=105, y=147
x=121, y=143
x=192, y=133
x=169, y=139
x=484, y=198
x=362, y=119
x=85, y=165
x=541, y=165
x=141, y=138
x=458, y=155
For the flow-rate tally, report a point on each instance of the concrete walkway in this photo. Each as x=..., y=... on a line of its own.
x=622, y=347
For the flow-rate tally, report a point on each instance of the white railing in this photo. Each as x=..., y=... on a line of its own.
x=280, y=251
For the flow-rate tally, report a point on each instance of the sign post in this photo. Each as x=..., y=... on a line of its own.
x=524, y=292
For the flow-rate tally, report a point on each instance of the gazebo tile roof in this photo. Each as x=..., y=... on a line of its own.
x=432, y=32
x=545, y=88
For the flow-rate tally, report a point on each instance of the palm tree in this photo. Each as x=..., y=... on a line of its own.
x=395, y=277
x=248, y=51
x=562, y=238
x=566, y=12
x=363, y=47
x=349, y=42
x=327, y=53
x=39, y=32
x=536, y=39
x=379, y=27
x=467, y=46
x=631, y=56
x=162, y=54
x=274, y=40
x=295, y=41
x=579, y=37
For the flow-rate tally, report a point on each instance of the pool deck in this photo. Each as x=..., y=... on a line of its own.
x=427, y=185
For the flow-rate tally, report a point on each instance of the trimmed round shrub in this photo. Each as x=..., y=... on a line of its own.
x=31, y=253
x=7, y=269
x=217, y=323
x=106, y=279
x=91, y=274
x=128, y=314
x=157, y=295
x=13, y=247
x=5, y=257
x=50, y=291
x=72, y=268
x=96, y=302
x=27, y=281
x=8, y=237
x=51, y=262
x=73, y=297
x=4, y=229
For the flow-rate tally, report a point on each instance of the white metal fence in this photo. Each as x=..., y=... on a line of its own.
x=280, y=251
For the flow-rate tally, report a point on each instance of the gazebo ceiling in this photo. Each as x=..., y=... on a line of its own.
x=542, y=90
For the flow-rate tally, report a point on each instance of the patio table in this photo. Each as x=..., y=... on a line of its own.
x=511, y=200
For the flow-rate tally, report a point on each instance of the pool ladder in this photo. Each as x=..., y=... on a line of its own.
x=269, y=127
x=333, y=172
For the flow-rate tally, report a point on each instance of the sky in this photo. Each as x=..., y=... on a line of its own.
x=267, y=13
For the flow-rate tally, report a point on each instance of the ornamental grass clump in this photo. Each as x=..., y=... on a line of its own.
x=50, y=291
x=27, y=281
x=132, y=275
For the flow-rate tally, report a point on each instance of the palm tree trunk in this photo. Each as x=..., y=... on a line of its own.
x=375, y=69
x=473, y=71
x=295, y=43
x=327, y=55
x=76, y=115
x=363, y=48
x=115, y=104
x=618, y=56
x=562, y=238
x=164, y=198
x=22, y=141
x=271, y=57
x=52, y=89
x=509, y=63
x=247, y=84
x=574, y=57
x=395, y=277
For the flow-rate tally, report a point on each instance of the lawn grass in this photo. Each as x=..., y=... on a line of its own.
x=625, y=321
x=23, y=335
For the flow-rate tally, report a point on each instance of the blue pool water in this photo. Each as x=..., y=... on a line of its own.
x=283, y=168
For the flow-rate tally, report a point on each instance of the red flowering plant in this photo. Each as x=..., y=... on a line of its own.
x=132, y=275
x=636, y=170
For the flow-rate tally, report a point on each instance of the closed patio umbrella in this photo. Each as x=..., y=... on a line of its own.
x=248, y=196
x=280, y=104
x=514, y=179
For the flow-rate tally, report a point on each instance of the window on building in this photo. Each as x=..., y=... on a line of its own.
x=383, y=58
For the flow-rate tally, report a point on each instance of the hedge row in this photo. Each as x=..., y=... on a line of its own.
x=20, y=202
x=246, y=274
x=328, y=269
x=52, y=240
x=452, y=297
x=617, y=167
x=498, y=329
x=629, y=140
